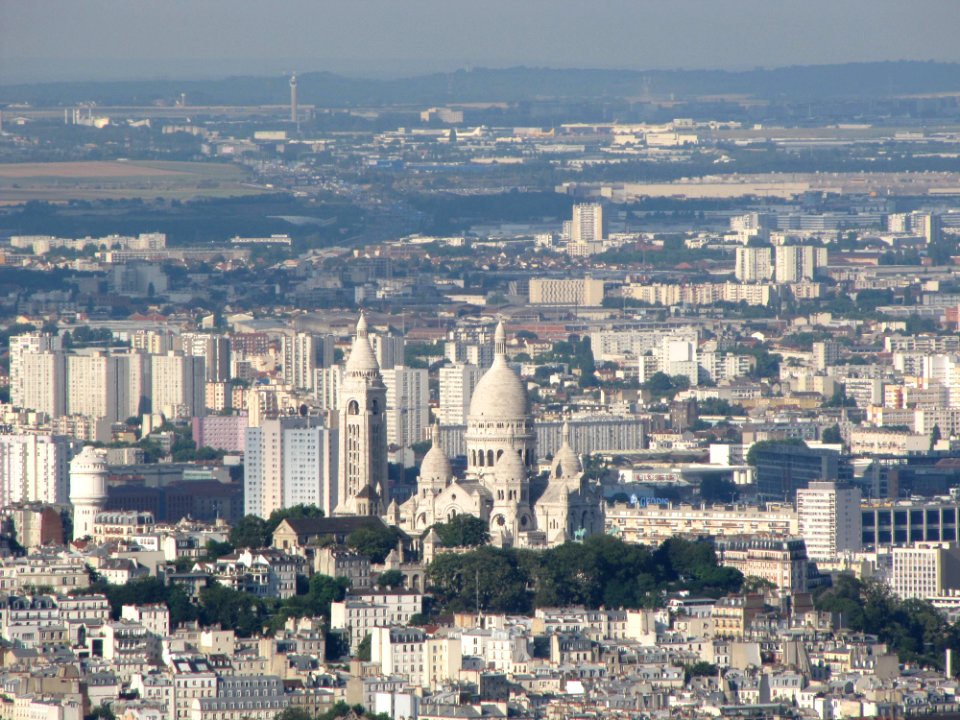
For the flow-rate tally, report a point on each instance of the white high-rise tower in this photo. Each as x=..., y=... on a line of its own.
x=88, y=489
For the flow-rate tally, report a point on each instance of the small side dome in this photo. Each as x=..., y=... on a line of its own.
x=436, y=465
x=567, y=462
x=509, y=467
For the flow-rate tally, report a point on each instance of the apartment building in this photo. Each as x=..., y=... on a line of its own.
x=830, y=520
x=457, y=383
x=652, y=523
x=580, y=292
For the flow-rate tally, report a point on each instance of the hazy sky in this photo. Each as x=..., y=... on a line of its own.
x=108, y=39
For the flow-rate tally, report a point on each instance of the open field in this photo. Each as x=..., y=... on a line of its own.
x=114, y=180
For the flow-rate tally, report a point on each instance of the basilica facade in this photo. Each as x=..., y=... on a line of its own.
x=497, y=487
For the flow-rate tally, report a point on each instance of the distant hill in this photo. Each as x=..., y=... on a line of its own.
x=813, y=82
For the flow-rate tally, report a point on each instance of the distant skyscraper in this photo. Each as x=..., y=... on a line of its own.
x=42, y=379
x=754, y=264
x=388, y=350
x=214, y=349
x=931, y=225
x=830, y=519
x=587, y=225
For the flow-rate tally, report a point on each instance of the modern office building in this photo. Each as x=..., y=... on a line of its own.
x=888, y=523
x=782, y=469
x=925, y=570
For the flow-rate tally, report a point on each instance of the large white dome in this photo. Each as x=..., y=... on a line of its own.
x=500, y=394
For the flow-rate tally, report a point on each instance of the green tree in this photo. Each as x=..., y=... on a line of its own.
x=250, y=532
x=491, y=575
x=218, y=549
x=390, y=579
x=374, y=541
x=832, y=434
x=101, y=712
x=701, y=669
x=463, y=531
x=935, y=436
x=294, y=512
x=363, y=649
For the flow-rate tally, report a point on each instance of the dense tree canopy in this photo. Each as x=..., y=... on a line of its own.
x=374, y=541
x=914, y=629
x=463, y=531
x=600, y=571
x=250, y=532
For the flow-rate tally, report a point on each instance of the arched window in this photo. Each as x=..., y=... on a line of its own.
x=490, y=457
x=353, y=408
x=499, y=453
x=375, y=406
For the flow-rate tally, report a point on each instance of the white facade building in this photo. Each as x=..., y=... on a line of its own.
x=830, y=520
x=178, y=385
x=20, y=345
x=408, y=404
x=925, y=570
x=457, y=383
x=34, y=468
x=289, y=461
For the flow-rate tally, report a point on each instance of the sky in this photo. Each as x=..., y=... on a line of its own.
x=54, y=40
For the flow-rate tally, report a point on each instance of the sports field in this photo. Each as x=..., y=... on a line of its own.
x=63, y=181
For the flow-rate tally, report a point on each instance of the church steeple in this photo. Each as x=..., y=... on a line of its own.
x=362, y=479
x=500, y=341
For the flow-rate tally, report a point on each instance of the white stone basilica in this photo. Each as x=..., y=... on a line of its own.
x=501, y=453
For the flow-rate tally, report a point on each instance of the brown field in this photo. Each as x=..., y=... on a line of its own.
x=64, y=181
